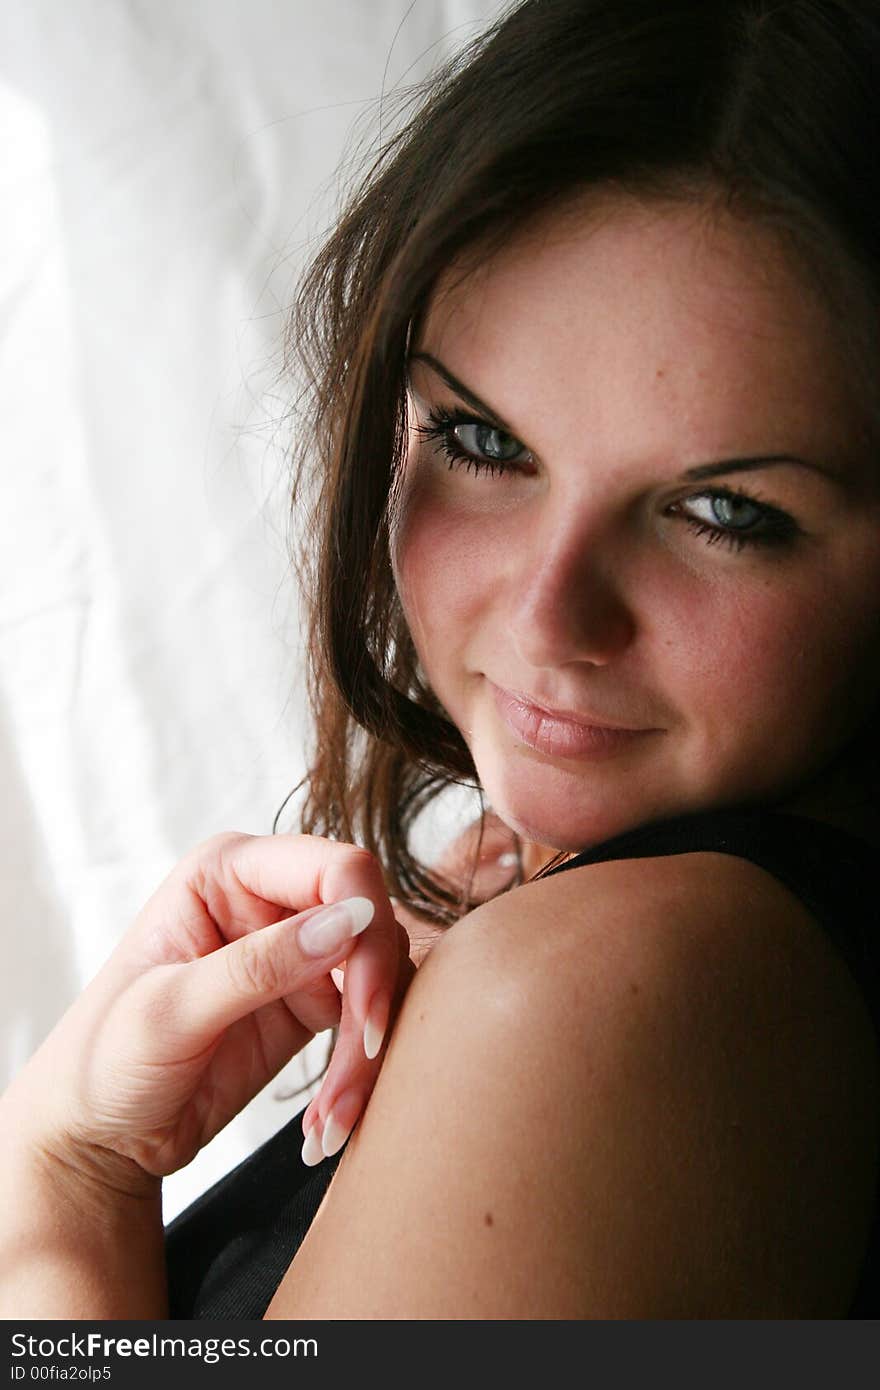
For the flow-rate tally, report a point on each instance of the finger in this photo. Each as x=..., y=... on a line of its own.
x=350, y=1077
x=234, y=873
x=318, y=1008
x=325, y=1137
x=345, y=1089
x=234, y=883
x=327, y=1125
x=372, y=978
x=204, y=997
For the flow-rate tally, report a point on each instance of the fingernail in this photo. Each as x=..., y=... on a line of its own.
x=312, y=1153
x=341, y=1121
x=335, y=1136
x=374, y=1028
x=330, y=928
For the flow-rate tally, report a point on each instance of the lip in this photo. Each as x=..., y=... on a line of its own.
x=557, y=732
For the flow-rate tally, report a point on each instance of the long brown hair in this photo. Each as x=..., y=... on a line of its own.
x=769, y=107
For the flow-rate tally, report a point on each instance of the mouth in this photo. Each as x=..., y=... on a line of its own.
x=582, y=717
x=561, y=733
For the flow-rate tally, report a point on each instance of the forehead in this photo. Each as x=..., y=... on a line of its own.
x=611, y=255
x=679, y=304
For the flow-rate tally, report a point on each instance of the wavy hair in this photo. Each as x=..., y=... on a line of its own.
x=767, y=108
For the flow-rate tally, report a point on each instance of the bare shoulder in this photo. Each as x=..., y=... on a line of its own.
x=637, y=1089
x=706, y=911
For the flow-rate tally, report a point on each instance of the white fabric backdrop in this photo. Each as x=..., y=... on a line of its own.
x=164, y=168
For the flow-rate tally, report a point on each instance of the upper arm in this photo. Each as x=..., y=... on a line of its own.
x=638, y=1089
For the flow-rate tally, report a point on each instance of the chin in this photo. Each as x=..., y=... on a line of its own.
x=556, y=833
x=534, y=834
x=573, y=815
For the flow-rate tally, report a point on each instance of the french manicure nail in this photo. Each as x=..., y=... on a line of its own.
x=330, y=928
x=374, y=1028
x=341, y=1120
x=335, y=1135
x=312, y=1152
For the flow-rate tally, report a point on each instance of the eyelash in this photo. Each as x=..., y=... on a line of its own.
x=778, y=526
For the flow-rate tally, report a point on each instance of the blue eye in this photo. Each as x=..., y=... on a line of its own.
x=479, y=447
x=766, y=525
x=494, y=445
x=473, y=444
x=726, y=507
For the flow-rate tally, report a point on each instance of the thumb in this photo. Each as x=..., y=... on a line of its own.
x=203, y=997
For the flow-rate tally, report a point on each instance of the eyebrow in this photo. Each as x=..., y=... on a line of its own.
x=700, y=470
x=492, y=416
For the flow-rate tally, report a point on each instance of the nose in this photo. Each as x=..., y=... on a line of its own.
x=566, y=600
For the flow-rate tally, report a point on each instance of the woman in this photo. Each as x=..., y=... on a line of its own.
x=594, y=354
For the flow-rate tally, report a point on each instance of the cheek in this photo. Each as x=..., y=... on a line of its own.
x=442, y=567
x=779, y=668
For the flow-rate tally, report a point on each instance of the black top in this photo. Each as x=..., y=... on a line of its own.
x=228, y=1252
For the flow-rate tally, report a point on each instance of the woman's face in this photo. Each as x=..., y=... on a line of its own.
x=611, y=351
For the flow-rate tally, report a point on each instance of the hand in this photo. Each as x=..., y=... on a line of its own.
x=209, y=993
